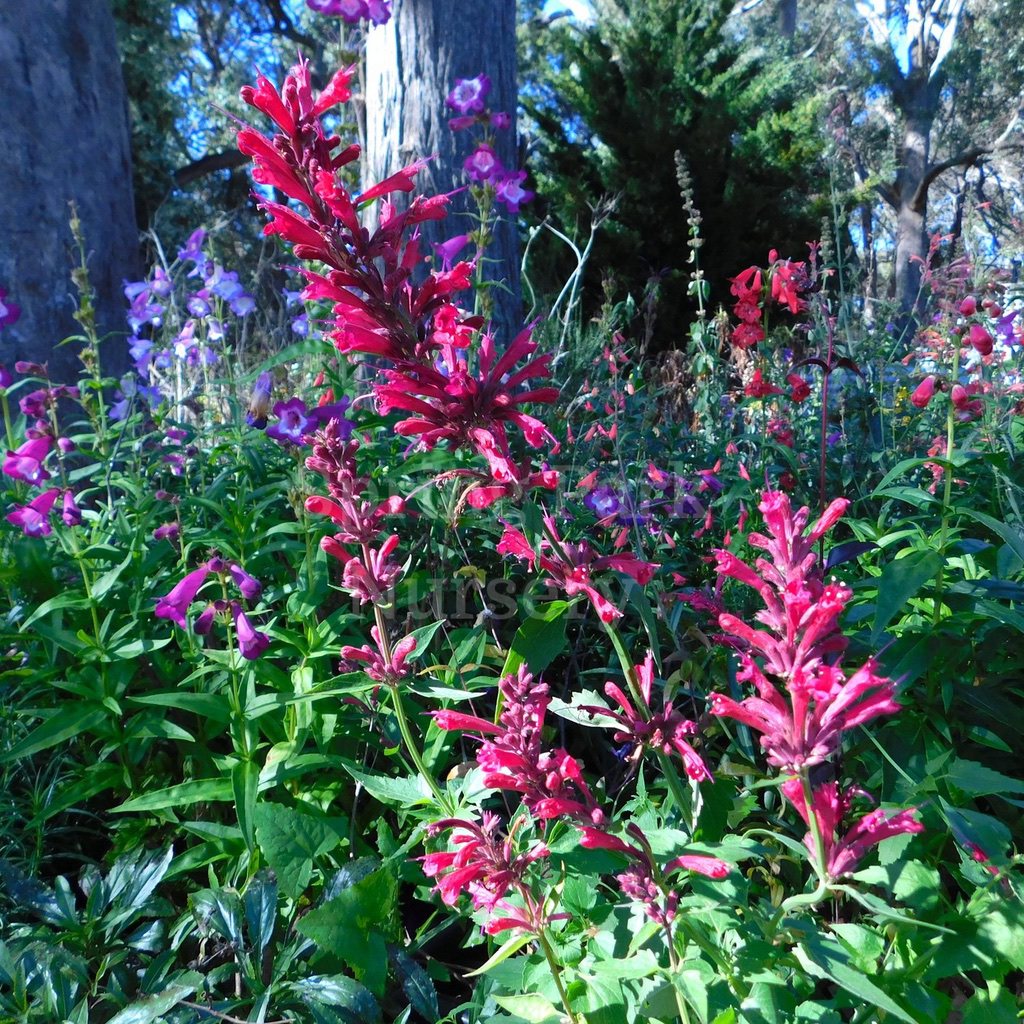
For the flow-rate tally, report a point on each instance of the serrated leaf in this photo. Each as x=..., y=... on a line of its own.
x=291, y=840
x=406, y=792
x=417, y=985
x=354, y=926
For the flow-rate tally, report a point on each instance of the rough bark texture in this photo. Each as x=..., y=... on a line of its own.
x=411, y=65
x=66, y=138
x=917, y=100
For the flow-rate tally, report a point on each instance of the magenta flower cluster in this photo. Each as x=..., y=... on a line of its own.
x=378, y=12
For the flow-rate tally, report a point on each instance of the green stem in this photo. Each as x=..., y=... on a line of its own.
x=411, y=746
x=673, y=958
x=947, y=497
x=556, y=973
x=809, y=899
x=7, y=418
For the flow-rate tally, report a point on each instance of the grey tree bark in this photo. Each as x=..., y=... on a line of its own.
x=66, y=138
x=411, y=65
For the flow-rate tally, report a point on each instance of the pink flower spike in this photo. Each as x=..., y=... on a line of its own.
x=923, y=393
x=458, y=721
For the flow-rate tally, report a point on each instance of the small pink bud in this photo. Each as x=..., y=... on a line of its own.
x=969, y=306
x=980, y=339
x=923, y=392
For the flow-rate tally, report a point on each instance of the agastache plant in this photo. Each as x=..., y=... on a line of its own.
x=805, y=700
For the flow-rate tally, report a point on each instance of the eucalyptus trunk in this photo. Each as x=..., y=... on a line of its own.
x=66, y=138
x=411, y=65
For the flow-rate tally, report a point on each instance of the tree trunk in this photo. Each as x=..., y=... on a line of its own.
x=66, y=138
x=786, y=14
x=411, y=66
x=917, y=100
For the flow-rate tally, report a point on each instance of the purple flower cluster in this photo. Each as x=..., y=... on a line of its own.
x=174, y=605
x=353, y=11
x=153, y=350
x=468, y=97
x=294, y=419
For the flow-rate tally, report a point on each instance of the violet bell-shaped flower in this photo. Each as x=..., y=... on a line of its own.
x=251, y=642
x=34, y=518
x=249, y=587
x=174, y=605
x=26, y=463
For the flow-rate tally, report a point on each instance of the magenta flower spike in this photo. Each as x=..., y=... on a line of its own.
x=34, y=518
x=174, y=605
x=805, y=700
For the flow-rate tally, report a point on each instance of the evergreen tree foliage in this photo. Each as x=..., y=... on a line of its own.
x=612, y=101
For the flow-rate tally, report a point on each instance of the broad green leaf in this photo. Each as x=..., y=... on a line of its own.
x=109, y=578
x=901, y=579
x=205, y=705
x=145, y=1011
x=260, y=902
x=416, y=984
x=1011, y=536
x=825, y=958
x=975, y=779
x=423, y=637
x=138, y=647
x=291, y=840
x=355, y=925
x=539, y=640
x=66, y=600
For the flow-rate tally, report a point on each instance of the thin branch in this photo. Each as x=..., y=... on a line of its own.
x=209, y=164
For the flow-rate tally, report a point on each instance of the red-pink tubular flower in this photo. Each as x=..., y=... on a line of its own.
x=569, y=566
x=488, y=867
x=512, y=753
x=379, y=664
x=804, y=701
x=830, y=806
x=923, y=392
x=665, y=731
x=372, y=575
x=980, y=340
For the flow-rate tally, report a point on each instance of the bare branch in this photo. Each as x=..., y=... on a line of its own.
x=209, y=164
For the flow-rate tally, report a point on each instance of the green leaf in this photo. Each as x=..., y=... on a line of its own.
x=341, y=991
x=354, y=925
x=416, y=984
x=901, y=579
x=992, y=1005
x=138, y=647
x=59, y=728
x=406, y=792
x=109, y=578
x=825, y=958
x=145, y=1011
x=291, y=841
x=533, y=1008
x=975, y=779
x=260, y=904
x=205, y=705
x=539, y=640
x=199, y=791
x=510, y=946
x=423, y=637
x=66, y=600
x=1011, y=536
x=245, y=782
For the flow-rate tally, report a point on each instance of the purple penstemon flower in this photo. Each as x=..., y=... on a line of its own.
x=603, y=501
x=448, y=251
x=70, y=512
x=9, y=311
x=483, y=165
x=511, y=192
x=249, y=587
x=174, y=605
x=251, y=642
x=293, y=422
x=193, y=250
x=26, y=464
x=34, y=518
x=468, y=94
x=198, y=304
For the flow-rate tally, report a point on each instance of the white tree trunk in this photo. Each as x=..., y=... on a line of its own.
x=65, y=137
x=411, y=66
